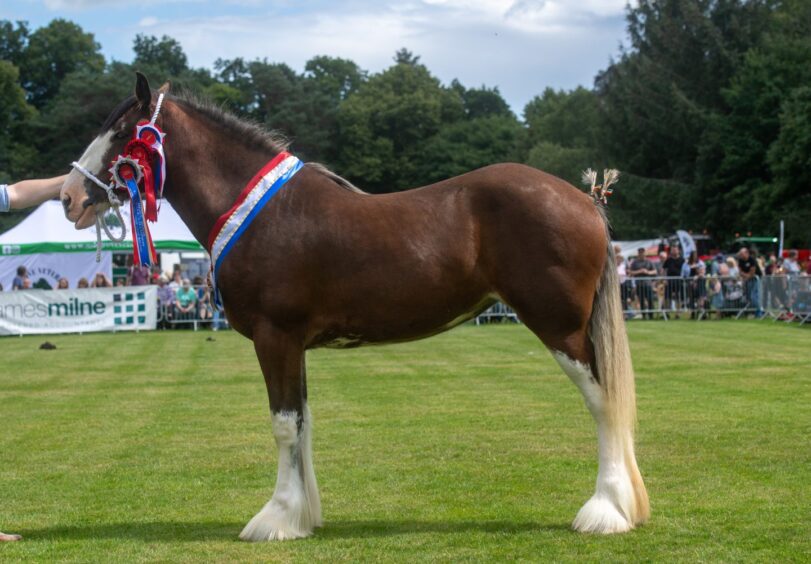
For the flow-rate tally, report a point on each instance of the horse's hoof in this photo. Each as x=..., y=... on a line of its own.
x=274, y=524
x=600, y=516
x=9, y=538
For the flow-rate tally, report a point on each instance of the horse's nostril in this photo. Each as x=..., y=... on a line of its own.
x=66, y=202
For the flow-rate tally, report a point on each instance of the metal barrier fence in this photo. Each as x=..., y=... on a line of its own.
x=184, y=314
x=783, y=298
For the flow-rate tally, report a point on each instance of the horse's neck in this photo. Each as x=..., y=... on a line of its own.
x=205, y=170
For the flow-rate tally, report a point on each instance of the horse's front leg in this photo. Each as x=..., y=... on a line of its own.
x=295, y=508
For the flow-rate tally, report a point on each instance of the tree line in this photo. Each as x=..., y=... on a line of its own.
x=706, y=111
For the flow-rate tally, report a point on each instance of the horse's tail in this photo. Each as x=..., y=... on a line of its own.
x=611, y=350
x=615, y=371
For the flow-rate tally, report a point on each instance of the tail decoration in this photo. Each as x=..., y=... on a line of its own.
x=600, y=192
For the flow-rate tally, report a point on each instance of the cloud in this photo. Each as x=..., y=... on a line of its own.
x=148, y=21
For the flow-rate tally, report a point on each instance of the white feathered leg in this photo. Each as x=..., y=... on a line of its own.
x=612, y=508
x=295, y=508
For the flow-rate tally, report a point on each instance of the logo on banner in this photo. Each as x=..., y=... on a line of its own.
x=129, y=308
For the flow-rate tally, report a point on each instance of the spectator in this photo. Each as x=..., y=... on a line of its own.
x=101, y=281
x=166, y=301
x=22, y=274
x=772, y=266
x=1, y=287
x=121, y=282
x=715, y=291
x=715, y=267
x=690, y=270
x=204, y=310
x=185, y=300
x=138, y=275
x=82, y=283
x=732, y=288
x=732, y=265
x=177, y=279
x=749, y=272
x=790, y=264
x=26, y=284
x=62, y=284
x=699, y=285
x=673, y=287
x=625, y=284
x=641, y=268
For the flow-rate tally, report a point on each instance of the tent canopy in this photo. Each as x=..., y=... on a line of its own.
x=46, y=230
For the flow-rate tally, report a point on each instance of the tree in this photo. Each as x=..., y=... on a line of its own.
x=466, y=145
x=164, y=53
x=53, y=52
x=480, y=102
x=383, y=125
x=13, y=40
x=15, y=114
x=71, y=119
x=789, y=157
x=657, y=97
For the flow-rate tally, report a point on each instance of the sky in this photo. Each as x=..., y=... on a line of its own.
x=520, y=46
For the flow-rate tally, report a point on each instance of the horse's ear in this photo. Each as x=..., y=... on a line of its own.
x=165, y=88
x=142, y=92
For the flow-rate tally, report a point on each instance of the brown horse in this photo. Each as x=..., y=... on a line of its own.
x=327, y=265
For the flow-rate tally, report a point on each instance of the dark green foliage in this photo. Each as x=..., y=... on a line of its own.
x=165, y=53
x=51, y=53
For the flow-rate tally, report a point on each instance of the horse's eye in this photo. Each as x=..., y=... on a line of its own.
x=121, y=135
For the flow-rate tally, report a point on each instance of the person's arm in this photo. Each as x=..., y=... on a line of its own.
x=32, y=192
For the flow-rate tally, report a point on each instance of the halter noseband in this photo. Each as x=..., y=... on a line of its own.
x=135, y=164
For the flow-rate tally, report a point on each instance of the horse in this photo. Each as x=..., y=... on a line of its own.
x=325, y=264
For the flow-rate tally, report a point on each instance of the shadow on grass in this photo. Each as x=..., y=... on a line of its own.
x=169, y=531
x=384, y=528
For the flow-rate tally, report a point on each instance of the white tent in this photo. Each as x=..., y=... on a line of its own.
x=51, y=248
x=46, y=230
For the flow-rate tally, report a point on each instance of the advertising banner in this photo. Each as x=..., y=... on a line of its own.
x=32, y=312
x=46, y=269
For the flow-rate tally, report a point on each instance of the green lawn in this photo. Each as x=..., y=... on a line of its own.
x=469, y=446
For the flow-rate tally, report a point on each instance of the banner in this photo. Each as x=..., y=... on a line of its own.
x=46, y=269
x=687, y=243
x=32, y=312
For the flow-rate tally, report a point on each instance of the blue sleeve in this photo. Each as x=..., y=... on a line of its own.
x=4, y=202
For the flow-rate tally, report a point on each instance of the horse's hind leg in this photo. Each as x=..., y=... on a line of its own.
x=620, y=501
x=295, y=508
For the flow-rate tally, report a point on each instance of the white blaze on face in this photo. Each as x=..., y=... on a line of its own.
x=93, y=160
x=73, y=188
x=93, y=156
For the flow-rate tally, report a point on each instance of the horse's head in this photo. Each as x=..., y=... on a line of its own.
x=81, y=197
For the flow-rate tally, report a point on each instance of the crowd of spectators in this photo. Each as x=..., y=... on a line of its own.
x=726, y=285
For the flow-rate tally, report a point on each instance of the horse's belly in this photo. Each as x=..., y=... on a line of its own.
x=417, y=325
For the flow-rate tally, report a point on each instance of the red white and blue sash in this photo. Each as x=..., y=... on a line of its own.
x=233, y=223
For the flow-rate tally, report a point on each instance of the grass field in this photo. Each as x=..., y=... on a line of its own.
x=468, y=446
